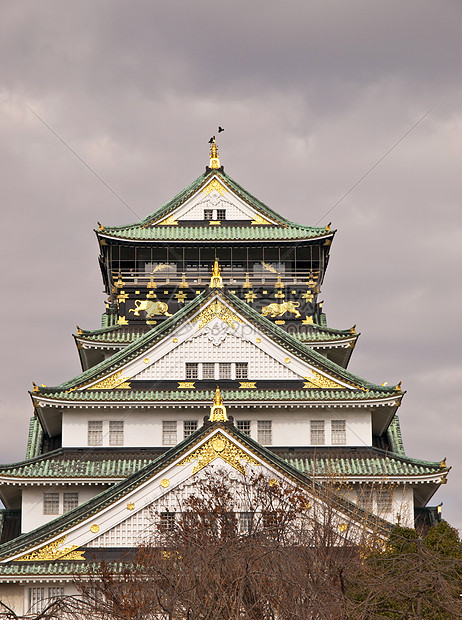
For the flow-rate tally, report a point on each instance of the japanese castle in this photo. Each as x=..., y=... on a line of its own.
x=213, y=351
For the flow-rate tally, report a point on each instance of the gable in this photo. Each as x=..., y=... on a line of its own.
x=212, y=197
x=121, y=515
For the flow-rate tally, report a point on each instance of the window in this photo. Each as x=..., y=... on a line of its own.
x=36, y=599
x=51, y=504
x=208, y=214
x=225, y=370
x=167, y=520
x=95, y=433
x=221, y=214
x=70, y=501
x=365, y=498
x=265, y=435
x=189, y=426
x=317, y=432
x=192, y=370
x=116, y=433
x=242, y=369
x=384, y=500
x=54, y=593
x=168, y=433
x=245, y=522
x=338, y=432
x=244, y=426
x=208, y=370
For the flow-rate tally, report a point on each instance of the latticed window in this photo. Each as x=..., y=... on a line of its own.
x=265, y=432
x=208, y=214
x=116, y=433
x=245, y=522
x=192, y=370
x=221, y=214
x=51, y=504
x=208, y=370
x=95, y=433
x=225, y=370
x=365, y=498
x=168, y=433
x=338, y=430
x=318, y=437
x=242, y=370
x=167, y=520
x=70, y=501
x=36, y=600
x=54, y=593
x=244, y=426
x=384, y=499
x=189, y=426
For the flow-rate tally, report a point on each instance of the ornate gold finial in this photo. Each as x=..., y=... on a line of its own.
x=216, y=281
x=79, y=331
x=398, y=387
x=218, y=410
x=214, y=161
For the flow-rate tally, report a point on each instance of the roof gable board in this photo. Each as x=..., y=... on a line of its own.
x=125, y=511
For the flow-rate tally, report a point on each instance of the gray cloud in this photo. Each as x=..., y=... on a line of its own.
x=311, y=96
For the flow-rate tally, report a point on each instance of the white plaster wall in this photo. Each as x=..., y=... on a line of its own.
x=202, y=349
x=214, y=201
x=402, y=511
x=32, y=502
x=290, y=427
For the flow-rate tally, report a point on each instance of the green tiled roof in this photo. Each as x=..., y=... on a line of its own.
x=34, y=441
x=144, y=230
x=290, y=344
x=119, y=490
x=206, y=396
x=338, y=461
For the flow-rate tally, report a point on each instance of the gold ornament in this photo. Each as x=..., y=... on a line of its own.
x=130, y=506
x=258, y=220
x=217, y=309
x=214, y=185
x=114, y=381
x=94, y=528
x=218, y=410
x=165, y=483
x=169, y=221
x=186, y=385
x=317, y=380
x=214, y=160
x=249, y=385
x=51, y=552
x=216, y=281
x=219, y=446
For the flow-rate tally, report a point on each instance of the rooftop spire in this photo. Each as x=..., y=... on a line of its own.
x=216, y=281
x=214, y=161
x=218, y=410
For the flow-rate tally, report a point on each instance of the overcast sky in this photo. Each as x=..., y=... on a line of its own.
x=311, y=95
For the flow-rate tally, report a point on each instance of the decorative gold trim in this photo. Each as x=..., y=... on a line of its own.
x=214, y=185
x=272, y=482
x=186, y=385
x=175, y=340
x=214, y=223
x=216, y=310
x=94, y=528
x=169, y=221
x=114, y=381
x=146, y=360
x=249, y=385
x=122, y=321
x=280, y=322
x=214, y=160
x=130, y=506
x=79, y=331
x=219, y=446
x=165, y=482
x=258, y=220
x=287, y=360
x=122, y=297
x=258, y=340
x=308, y=320
x=216, y=281
x=51, y=552
x=317, y=380
x=342, y=527
x=218, y=410
x=274, y=310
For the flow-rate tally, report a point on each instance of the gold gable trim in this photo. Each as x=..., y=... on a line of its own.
x=258, y=220
x=51, y=552
x=216, y=447
x=169, y=221
x=114, y=381
x=214, y=185
x=317, y=380
x=214, y=310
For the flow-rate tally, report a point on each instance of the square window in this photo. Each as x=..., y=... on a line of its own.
x=221, y=214
x=169, y=433
x=265, y=432
x=208, y=214
x=51, y=504
x=95, y=433
x=242, y=370
x=384, y=500
x=208, y=370
x=116, y=433
x=244, y=426
x=245, y=522
x=225, y=370
x=318, y=437
x=36, y=600
x=189, y=426
x=167, y=521
x=338, y=432
x=192, y=370
x=70, y=501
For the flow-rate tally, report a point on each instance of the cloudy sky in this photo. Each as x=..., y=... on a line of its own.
x=312, y=95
